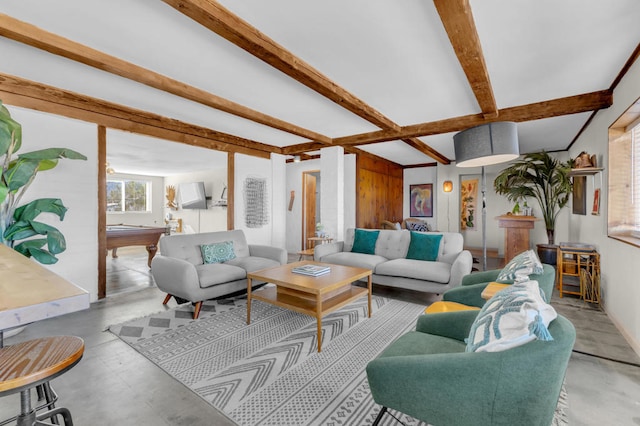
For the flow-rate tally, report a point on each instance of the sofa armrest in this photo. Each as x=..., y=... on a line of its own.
x=269, y=252
x=454, y=325
x=470, y=295
x=481, y=277
x=175, y=276
x=321, y=250
x=460, y=268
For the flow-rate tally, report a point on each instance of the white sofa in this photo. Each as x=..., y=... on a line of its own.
x=390, y=266
x=181, y=272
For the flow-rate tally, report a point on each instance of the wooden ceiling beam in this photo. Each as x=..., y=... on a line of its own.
x=458, y=22
x=426, y=149
x=36, y=37
x=20, y=92
x=536, y=111
x=215, y=17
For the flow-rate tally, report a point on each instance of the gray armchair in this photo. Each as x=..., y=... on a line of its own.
x=181, y=272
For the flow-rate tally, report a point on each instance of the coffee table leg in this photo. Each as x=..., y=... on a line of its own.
x=319, y=320
x=369, y=294
x=248, y=300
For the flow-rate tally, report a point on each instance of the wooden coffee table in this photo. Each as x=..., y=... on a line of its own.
x=314, y=296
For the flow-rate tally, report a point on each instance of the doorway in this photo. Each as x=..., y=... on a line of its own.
x=310, y=205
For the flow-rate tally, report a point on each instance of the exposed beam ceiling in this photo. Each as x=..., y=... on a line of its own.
x=208, y=20
x=458, y=21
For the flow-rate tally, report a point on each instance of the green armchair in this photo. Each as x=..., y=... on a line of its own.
x=468, y=293
x=428, y=375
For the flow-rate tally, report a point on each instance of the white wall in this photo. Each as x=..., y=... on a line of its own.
x=153, y=218
x=214, y=218
x=496, y=205
x=619, y=261
x=73, y=181
x=294, y=217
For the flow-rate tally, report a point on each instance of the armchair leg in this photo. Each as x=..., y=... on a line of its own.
x=379, y=417
x=166, y=299
x=196, y=312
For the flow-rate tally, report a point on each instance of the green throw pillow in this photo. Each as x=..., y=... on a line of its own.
x=424, y=246
x=217, y=252
x=365, y=241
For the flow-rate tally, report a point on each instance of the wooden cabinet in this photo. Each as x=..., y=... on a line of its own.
x=516, y=234
x=579, y=272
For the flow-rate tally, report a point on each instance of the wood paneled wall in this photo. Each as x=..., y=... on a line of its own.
x=379, y=192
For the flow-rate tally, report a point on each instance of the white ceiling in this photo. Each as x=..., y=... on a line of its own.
x=395, y=56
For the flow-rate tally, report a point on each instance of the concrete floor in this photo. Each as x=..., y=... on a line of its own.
x=115, y=385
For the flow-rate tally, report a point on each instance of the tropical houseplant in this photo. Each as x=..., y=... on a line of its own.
x=540, y=176
x=18, y=222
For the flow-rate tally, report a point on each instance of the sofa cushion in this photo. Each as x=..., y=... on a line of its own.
x=218, y=273
x=393, y=244
x=253, y=263
x=358, y=260
x=520, y=267
x=187, y=246
x=424, y=246
x=513, y=317
x=364, y=241
x=439, y=272
x=217, y=252
x=417, y=343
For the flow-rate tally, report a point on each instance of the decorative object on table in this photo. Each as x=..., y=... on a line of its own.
x=421, y=200
x=539, y=176
x=171, y=197
x=320, y=230
x=312, y=270
x=584, y=160
x=596, y=202
x=255, y=202
x=481, y=146
x=18, y=222
x=468, y=203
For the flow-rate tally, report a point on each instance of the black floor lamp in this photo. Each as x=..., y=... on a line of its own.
x=484, y=145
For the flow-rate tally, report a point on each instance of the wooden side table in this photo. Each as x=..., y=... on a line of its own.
x=313, y=241
x=493, y=287
x=516, y=236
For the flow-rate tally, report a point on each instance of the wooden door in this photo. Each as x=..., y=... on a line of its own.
x=308, y=207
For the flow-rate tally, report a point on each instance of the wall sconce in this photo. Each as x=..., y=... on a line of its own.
x=447, y=186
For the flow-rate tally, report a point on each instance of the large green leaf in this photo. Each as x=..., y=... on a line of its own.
x=8, y=126
x=31, y=210
x=34, y=248
x=19, y=231
x=25, y=229
x=20, y=172
x=53, y=153
x=4, y=191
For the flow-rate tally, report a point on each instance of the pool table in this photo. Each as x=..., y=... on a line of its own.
x=133, y=235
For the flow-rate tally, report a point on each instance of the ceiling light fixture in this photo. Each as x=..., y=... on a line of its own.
x=109, y=169
x=296, y=159
x=480, y=146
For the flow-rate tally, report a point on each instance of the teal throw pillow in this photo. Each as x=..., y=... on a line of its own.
x=217, y=252
x=520, y=267
x=365, y=241
x=424, y=246
x=512, y=317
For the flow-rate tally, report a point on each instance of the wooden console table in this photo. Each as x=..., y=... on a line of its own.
x=516, y=236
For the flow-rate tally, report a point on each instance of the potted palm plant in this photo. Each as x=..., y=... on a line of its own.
x=18, y=222
x=539, y=176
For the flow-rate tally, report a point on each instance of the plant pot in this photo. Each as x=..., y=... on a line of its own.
x=548, y=253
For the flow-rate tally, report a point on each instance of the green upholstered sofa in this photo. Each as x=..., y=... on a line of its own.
x=428, y=375
x=470, y=289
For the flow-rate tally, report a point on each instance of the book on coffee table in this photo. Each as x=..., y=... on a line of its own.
x=312, y=270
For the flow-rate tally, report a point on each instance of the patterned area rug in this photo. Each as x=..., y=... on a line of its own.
x=270, y=372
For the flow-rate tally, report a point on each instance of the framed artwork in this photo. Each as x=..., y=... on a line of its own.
x=469, y=202
x=421, y=200
x=579, y=201
x=596, y=202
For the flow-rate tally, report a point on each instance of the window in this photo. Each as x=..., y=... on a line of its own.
x=624, y=177
x=128, y=196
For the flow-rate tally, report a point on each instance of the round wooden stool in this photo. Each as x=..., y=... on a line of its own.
x=33, y=363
